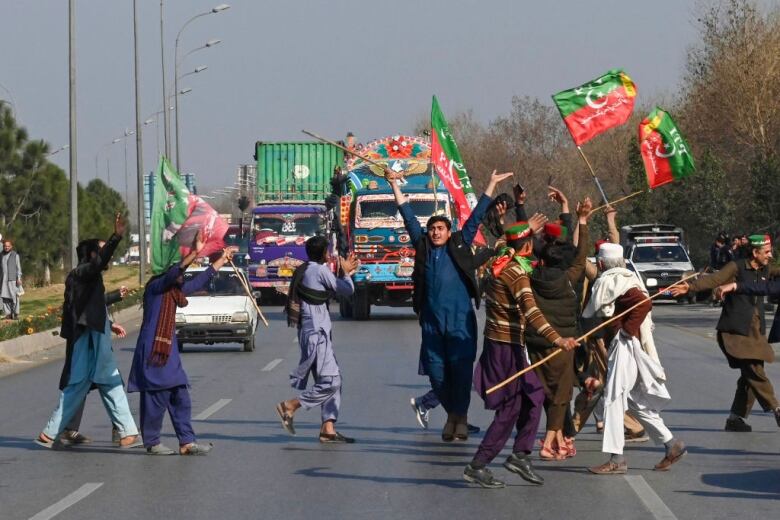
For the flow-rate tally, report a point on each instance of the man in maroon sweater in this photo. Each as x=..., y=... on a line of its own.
x=635, y=377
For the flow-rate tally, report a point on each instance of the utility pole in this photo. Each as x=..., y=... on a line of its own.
x=139, y=158
x=74, y=182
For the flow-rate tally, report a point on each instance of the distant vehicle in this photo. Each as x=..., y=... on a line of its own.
x=658, y=254
x=221, y=313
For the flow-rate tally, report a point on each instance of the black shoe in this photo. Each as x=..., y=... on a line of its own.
x=475, y=429
x=521, y=465
x=739, y=425
x=481, y=476
x=777, y=415
x=335, y=438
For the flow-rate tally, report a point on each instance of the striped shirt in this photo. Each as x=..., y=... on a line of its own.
x=510, y=306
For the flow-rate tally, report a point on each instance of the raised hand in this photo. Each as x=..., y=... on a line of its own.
x=519, y=193
x=119, y=225
x=349, y=264
x=584, y=209
x=556, y=195
x=496, y=178
x=537, y=222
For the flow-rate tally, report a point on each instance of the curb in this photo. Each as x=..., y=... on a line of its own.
x=49, y=339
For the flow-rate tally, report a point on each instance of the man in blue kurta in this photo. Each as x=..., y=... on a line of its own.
x=157, y=371
x=312, y=285
x=444, y=284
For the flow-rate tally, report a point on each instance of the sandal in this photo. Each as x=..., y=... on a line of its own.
x=286, y=418
x=549, y=454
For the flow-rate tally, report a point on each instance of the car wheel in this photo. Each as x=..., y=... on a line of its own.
x=249, y=345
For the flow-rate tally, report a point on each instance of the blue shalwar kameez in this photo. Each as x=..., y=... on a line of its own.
x=163, y=387
x=315, y=340
x=448, y=320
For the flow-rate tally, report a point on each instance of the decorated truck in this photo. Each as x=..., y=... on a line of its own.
x=293, y=180
x=372, y=227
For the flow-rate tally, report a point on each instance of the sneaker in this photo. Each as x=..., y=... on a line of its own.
x=74, y=437
x=472, y=429
x=482, y=476
x=737, y=424
x=521, y=465
x=640, y=436
x=420, y=413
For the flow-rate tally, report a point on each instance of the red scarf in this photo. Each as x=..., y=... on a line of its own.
x=166, y=323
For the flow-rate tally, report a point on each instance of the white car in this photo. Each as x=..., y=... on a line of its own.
x=221, y=313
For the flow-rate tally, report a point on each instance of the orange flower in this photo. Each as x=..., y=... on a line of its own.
x=30, y=330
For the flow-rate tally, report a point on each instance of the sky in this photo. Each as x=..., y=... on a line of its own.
x=329, y=66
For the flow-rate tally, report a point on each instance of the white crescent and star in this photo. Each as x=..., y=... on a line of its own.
x=592, y=103
x=664, y=155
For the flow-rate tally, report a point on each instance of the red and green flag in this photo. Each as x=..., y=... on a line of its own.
x=449, y=166
x=597, y=106
x=664, y=151
x=177, y=216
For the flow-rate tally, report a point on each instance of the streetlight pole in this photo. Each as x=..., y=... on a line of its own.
x=217, y=9
x=74, y=182
x=139, y=156
x=128, y=133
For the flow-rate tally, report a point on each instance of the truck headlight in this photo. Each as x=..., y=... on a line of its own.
x=240, y=316
x=180, y=318
x=651, y=282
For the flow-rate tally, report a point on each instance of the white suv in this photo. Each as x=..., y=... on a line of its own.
x=221, y=313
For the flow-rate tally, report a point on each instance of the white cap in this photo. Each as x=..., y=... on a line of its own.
x=610, y=250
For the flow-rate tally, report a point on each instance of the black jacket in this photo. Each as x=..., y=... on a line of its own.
x=764, y=288
x=738, y=309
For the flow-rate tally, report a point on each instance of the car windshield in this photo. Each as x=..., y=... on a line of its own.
x=669, y=253
x=225, y=283
x=382, y=209
x=305, y=224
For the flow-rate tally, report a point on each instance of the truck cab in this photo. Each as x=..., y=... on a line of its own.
x=657, y=253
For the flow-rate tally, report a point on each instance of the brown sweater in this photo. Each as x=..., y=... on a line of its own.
x=631, y=322
x=510, y=305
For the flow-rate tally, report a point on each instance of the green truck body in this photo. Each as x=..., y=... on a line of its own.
x=295, y=171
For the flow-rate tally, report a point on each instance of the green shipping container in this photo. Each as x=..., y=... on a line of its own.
x=295, y=171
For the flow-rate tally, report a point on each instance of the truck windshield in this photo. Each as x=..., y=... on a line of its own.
x=383, y=209
x=668, y=253
x=225, y=283
x=307, y=224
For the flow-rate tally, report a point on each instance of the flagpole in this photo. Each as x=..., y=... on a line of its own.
x=248, y=292
x=621, y=199
x=337, y=145
x=593, y=174
x=585, y=336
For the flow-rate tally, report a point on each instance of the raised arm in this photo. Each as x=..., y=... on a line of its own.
x=471, y=226
x=577, y=268
x=411, y=223
x=708, y=281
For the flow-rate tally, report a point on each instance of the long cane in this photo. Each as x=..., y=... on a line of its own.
x=621, y=199
x=584, y=336
x=347, y=150
x=248, y=292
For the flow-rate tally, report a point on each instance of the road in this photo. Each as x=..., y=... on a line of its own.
x=395, y=470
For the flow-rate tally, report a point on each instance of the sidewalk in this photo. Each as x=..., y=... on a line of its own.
x=21, y=346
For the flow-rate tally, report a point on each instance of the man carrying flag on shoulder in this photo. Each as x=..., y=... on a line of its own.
x=741, y=331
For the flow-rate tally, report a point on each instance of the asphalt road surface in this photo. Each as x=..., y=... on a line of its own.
x=396, y=469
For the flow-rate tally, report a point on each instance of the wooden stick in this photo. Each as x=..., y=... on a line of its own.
x=248, y=292
x=347, y=150
x=621, y=199
x=593, y=174
x=584, y=336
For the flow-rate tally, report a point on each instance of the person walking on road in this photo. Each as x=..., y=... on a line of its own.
x=635, y=377
x=312, y=285
x=510, y=311
x=157, y=372
x=11, y=280
x=445, y=282
x=89, y=355
x=741, y=330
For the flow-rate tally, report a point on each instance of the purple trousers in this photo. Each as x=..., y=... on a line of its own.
x=518, y=405
x=153, y=407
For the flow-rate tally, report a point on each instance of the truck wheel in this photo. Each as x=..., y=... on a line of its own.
x=249, y=345
x=345, y=308
x=361, y=305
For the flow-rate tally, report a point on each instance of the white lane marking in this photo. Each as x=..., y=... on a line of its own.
x=649, y=497
x=58, y=507
x=211, y=410
x=270, y=366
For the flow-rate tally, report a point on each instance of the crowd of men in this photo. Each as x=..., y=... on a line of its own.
x=580, y=325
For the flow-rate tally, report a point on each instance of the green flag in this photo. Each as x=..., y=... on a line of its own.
x=169, y=211
x=665, y=152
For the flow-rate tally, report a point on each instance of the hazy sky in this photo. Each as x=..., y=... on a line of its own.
x=328, y=66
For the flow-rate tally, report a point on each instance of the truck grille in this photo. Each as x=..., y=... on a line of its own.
x=664, y=278
x=221, y=318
